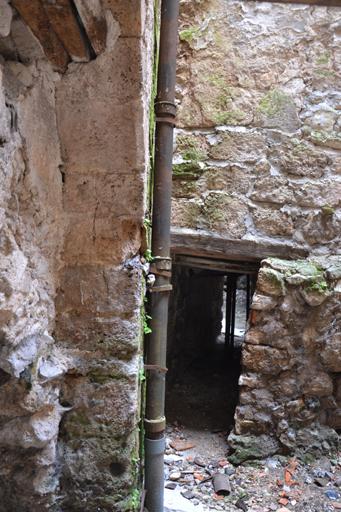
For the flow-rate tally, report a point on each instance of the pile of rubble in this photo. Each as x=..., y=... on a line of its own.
x=276, y=483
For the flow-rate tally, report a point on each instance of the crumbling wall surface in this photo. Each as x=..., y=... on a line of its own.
x=290, y=384
x=31, y=221
x=102, y=115
x=257, y=153
x=73, y=195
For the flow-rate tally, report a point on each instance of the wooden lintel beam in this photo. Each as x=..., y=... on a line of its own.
x=245, y=250
x=34, y=14
x=215, y=265
x=66, y=22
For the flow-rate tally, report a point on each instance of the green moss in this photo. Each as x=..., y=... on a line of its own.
x=328, y=210
x=324, y=72
x=191, y=169
x=189, y=34
x=324, y=58
x=190, y=147
x=273, y=102
x=229, y=117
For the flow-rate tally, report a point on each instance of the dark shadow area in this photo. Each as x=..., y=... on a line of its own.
x=202, y=381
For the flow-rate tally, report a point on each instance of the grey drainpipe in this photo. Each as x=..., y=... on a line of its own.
x=155, y=421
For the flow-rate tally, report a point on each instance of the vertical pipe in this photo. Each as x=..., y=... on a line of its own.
x=157, y=340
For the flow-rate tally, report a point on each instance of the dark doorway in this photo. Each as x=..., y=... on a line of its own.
x=207, y=319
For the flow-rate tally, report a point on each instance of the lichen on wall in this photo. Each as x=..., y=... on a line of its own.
x=257, y=152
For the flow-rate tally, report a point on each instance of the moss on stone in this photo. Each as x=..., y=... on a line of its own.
x=328, y=210
x=190, y=147
x=324, y=72
x=229, y=117
x=273, y=102
x=192, y=170
x=324, y=58
x=189, y=34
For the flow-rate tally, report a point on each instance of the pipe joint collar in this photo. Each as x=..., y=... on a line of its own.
x=165, y=107
x=155, y=425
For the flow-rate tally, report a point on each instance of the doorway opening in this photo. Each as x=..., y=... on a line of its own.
x=208, y=311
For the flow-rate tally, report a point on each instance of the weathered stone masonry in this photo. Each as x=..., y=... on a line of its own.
x=257, y=160
x=74, y=163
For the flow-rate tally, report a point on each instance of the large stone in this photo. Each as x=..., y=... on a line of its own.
x=263, y=302
x=270, y=282
x=322, y=138
x=331, y=353
x=319, y=384
x=321, y=227
x=320, y=193
x=273, y=222
x=298, y=158
x=278, y=110
x=240, y=146
x=251, y=447
x=273, y=189
x=268, y=360
x=226, y=214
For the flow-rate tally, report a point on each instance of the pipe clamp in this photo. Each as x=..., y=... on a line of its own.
x=155, y=425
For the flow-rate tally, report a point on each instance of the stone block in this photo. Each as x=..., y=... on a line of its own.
x=185, y=214
x=321, y=227
x=298, y=158
x=130, y=16
x=254, y=336
x=278, y=110
x=270, y=282
x=273, y=222
x=322, y=138
x=263, y=302
x=319, y=384
x=228, y=178
x=240, y=146
x=273, y=189
x=268, y=360
x=98, y=138
x=226, y=214
x=251, y=447
x=331, y=353
x=319, y=193
x=103, y=240
x=107, y=195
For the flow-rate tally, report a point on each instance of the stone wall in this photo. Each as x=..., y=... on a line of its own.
x=290, y=384
x=73, y=196
x=257, y=153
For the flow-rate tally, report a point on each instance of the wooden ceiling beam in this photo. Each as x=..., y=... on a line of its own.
x=35, y=16
x=66, y=22
x=93, y=19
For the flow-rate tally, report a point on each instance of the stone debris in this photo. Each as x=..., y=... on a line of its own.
x=256, y=486
x=178, y=445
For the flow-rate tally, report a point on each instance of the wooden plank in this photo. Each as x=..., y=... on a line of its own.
x=335, y=3
x=215, y=264
x=65, y=20
x=93, y=19
x=246, y=250
x=34, y=14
